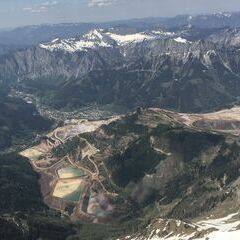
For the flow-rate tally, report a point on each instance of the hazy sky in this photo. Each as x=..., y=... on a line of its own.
x=27, y=12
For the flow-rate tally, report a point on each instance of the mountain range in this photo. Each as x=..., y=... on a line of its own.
x=158, y=68
x=32, y=35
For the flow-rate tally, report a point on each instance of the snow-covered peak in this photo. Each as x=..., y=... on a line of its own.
x=94, y=35
x=91, y=40
x=100, y=38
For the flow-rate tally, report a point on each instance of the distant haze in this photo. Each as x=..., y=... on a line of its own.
x=27, y=12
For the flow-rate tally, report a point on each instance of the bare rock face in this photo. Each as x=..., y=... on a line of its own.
x=227, y=37
x=37, y=63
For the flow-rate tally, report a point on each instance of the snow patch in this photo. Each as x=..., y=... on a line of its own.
x=226, y=228
x=123, y=39
x=159, y=32
x=180, y=40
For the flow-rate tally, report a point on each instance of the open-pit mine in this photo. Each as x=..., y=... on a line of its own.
x=74, y=178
